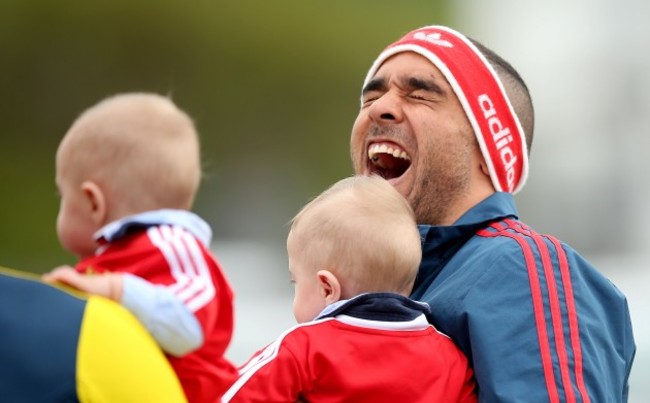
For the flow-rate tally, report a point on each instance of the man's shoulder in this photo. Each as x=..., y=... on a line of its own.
x=112, y=338
x=511, y=245
x=40, y=324
x=504, y=236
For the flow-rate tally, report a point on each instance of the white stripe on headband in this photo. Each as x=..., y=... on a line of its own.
x=481, y=94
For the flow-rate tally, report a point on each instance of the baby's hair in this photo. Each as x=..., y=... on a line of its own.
x=140, y=148
x=363, y=231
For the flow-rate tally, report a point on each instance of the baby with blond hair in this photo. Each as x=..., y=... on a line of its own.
x=354, y=253
x=127, y=171
x=356, y=237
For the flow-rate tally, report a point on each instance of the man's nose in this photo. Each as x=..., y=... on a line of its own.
x=387, y=109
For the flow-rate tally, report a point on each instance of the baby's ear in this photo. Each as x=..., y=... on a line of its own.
x=330, y=287
x=96, y=201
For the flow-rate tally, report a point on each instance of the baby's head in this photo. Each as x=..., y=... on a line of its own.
x=127, y=154
x=358, y=236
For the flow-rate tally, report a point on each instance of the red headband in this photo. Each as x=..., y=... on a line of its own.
x=481, y=95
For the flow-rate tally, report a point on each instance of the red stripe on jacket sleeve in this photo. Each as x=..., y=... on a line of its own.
x=520, y=235
x=574, y=333
x=554, y=302
x=538, y=308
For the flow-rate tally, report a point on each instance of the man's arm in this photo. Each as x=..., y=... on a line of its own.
x=544, y=325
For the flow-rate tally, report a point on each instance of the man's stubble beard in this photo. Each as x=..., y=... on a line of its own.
x=441, y=188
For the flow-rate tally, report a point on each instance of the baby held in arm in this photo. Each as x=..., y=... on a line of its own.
x=354, y=252
x=127, y=172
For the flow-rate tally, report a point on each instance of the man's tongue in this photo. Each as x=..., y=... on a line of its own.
x=389, y=166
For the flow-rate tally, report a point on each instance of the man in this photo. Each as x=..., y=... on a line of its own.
x=449, y=124
x=56, y=347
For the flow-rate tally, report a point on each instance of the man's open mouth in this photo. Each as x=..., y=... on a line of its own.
x=387, y=161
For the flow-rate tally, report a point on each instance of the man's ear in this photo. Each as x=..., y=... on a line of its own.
x=329, y=285
x=484, y=168
x=96, y=201
x=478, y=155
x=481, y=176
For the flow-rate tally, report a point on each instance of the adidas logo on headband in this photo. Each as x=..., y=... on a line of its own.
x=433, y=38
x=481, y=94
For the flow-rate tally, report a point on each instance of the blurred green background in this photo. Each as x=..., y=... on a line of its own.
x=273, y=87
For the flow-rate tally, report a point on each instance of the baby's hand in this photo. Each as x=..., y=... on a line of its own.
x=107, y=285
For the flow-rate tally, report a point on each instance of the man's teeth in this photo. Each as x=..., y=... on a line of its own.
x=384, y=149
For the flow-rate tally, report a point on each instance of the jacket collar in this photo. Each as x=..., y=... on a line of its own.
x=185, y=219
x=440, y=243
x=384, y=306
x=496, y=206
